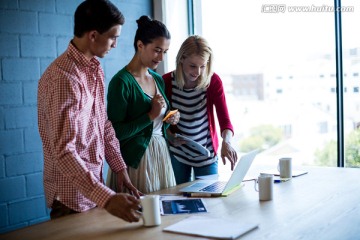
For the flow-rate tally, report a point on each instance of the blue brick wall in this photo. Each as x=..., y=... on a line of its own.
x=32, y=34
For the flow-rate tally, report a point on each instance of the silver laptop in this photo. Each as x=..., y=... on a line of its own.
x=221, y=188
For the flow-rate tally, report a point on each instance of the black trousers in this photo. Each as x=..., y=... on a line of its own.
x=60, y=210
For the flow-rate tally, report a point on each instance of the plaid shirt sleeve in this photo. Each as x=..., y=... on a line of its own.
x=112, y=149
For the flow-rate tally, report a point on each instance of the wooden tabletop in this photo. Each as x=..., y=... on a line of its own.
x=323, y=204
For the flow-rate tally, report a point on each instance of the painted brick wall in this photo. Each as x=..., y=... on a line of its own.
x=32, y=34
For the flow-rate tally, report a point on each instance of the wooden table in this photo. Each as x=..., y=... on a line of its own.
x=323, y=204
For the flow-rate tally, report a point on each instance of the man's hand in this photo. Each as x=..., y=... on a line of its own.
x=123, y=180
x=124, y=206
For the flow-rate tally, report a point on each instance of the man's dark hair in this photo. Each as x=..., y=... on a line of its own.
x=99, y=15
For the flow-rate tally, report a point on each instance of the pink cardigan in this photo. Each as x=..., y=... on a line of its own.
x=215, y=97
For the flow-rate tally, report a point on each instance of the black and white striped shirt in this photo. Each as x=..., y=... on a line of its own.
x=193, y=124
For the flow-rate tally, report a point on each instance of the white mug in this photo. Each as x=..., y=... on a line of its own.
x=266, y=182
x=151, y=210
x=285, y=167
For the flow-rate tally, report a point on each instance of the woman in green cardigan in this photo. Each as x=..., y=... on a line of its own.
x=136, y=108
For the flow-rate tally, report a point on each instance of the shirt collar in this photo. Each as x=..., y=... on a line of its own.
x=81, y=59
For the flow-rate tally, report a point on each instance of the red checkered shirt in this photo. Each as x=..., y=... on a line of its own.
x=76, y=133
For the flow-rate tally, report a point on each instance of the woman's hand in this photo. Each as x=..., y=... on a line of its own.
x=175, y=141
x=157, y=103
x=227, y=151
x=174, y=119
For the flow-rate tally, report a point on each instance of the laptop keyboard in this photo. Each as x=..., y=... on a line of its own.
x=215, y=187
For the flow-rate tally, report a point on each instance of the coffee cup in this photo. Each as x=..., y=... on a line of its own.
x=285, y=167
x=150, y=205
x=265, y=187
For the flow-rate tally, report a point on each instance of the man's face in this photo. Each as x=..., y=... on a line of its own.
x=102, y=43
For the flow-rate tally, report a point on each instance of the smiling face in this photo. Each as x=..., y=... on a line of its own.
x=193, y=67
x=153, y=53
x=102, y=43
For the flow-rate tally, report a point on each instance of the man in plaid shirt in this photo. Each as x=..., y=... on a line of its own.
x=76, y=133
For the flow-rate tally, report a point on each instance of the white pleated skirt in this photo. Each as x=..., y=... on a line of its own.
x=155, y=171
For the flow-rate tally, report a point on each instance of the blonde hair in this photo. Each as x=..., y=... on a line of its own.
x=194, y=45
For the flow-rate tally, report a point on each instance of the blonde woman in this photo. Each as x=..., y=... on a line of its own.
x=195, y=90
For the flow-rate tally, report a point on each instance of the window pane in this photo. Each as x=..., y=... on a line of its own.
x=351, y=67
x=177, y=23
x=277, y=63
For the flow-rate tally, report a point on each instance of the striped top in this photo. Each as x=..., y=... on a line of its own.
x=194, y=124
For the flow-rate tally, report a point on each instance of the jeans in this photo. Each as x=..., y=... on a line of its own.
x=183, y=171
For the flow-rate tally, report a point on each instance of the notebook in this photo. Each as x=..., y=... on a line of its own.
x=211, y=227
x=220, y=188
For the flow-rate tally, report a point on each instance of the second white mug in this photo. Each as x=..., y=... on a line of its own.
x=266, y=182
x=285, y=167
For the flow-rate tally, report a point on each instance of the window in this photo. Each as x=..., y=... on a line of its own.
x=274, y=41
x=351, y=64
x=323, y=127
x=174, y=14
